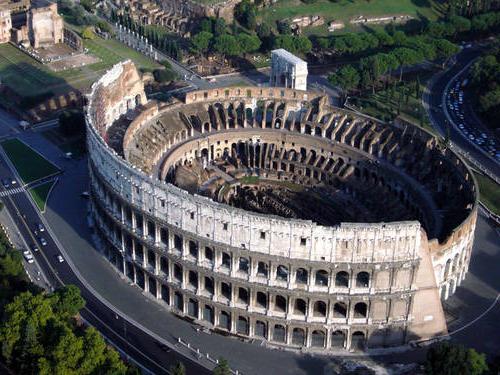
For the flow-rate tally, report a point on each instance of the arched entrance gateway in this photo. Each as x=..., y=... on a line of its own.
x=269, y=214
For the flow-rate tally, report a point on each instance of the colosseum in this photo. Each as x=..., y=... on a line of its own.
x=269, y=214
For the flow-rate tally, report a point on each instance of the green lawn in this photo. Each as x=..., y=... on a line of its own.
x=27, y=77
x=344, y=10
x=30, y=165
x=489, y=193
x=40, y=194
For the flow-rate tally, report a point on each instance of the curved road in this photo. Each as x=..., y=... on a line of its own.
x=436, y=107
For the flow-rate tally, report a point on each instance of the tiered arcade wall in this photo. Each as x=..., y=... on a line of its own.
x=290, y=282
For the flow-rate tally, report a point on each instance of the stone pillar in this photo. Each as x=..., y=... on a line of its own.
x=157, y=234
x=157, y=264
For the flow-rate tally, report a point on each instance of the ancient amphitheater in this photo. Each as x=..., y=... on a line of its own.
x=267, y=213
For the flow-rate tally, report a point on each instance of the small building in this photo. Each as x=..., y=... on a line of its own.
x=5, y=26
x=45, y=25
x=287, y=70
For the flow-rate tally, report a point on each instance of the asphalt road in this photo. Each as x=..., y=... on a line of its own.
x=433, y=100
x=130, y=339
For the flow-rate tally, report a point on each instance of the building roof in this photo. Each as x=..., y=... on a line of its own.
x=283, y=53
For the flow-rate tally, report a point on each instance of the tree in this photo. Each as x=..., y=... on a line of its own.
x=164, y=75
x=245, y=13
x=67, y=301
x=227, y=45
x=219, y=26
x=445, y=48
x=302, y=44
x=284, y=41
x=201, y=42
x=178, y=369
x=450, y=359
x=222, y=368
x=88, y=33
x=346, y=77
x=248, y=43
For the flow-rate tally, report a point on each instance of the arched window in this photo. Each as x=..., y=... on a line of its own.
x=226, y=260
x=279, y=333
x=301, y=276
x=340, y=310
x=282, y=273
x=300, y=307
x=358, y=340
x=208, y=314
x=261, y=299
x=243, y=295
x=318, y=339
x=225, y=320
x=260, y=329
x=342, y=279
x=360, y=310
x=280, y=303
x=338, y=339
x=362, y=280
x=322, y=278
x=319, y=309
x=242, y=325
x=298, y=337
x=262, y=269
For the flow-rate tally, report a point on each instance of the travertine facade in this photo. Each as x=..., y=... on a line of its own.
x=45, y=25
x=5, y=26
x=291, y=282
x=287, y=70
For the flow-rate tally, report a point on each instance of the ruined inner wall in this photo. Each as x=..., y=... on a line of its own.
x=193, y=9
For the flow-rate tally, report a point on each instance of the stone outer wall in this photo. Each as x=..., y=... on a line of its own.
x=5, y=26
x=240, y=272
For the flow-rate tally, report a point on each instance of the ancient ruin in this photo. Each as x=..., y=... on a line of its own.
x=287, y=70
x=269, y=214
x=45, y=25
x=177, y=16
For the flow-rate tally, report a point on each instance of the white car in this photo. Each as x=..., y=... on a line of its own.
x=60, y=258
x=28, y=256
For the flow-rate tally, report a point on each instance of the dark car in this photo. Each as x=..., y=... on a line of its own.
x=34, y=248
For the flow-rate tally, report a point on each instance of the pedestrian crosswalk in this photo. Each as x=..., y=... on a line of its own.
x=11, y=191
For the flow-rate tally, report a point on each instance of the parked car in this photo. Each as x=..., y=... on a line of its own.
x=40, y=227
x=60, y=258
x=43, y=241
x=34, y=248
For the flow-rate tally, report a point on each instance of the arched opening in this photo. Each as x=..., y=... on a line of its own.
x=226, y=260
x=447, y=269
x=262, y=269
x=300, y=307
x=338, y=339
x=318, y=339
x=282, y=273
x=225, y=320
x=208, y=314
x=298, y=337
x=319, y=309
x=242, y=326
x=261, y=300
x=209, y=254
x=280, y=304
x=243, y=296
x=225, y=290
x=322, y=278
x=301, y=276
x=138, y=100
x=340, y=310
x=243, y=265
x=358, y=340
x=279, y=333
x=193, y=308
x=362, y=280
x=360, y=310
x=342, y=279
x=193, y=249
x=260, y=329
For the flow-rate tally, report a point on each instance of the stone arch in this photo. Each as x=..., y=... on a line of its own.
x=360, y=310
x=338, y=339
x=225, y=320
x=342, y=279
x=298, y=336
x=279, y=333
x=242, y=326
x=282, y=273
x=301, y=276
x=318, y=339
x=362, y=280
x=262, y=269
x=260, y=329
x=319, y=309
x=321, y=278
x=280, y=303
x=208, y=314
x=358, y=340
x=300, y=307
x=261, y=299
x=340, y=310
